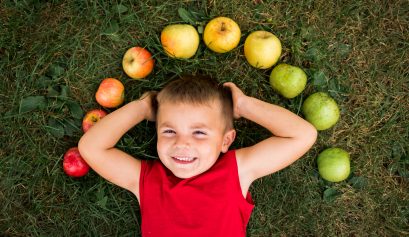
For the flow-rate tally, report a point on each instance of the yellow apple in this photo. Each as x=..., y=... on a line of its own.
x=180, y=40
x=221, y=34
x=262, y=49
x=137, y=62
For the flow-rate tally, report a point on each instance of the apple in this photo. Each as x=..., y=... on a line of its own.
x=73, y=163
x=137, y=62
x=321, y=110
x=110, y=93
x=221, y=34
x=180, y=40
x=91, y=118
x=334, y=164
x=262, y=49
x=288, y=80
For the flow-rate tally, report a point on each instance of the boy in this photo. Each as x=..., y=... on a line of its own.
x=197, y=187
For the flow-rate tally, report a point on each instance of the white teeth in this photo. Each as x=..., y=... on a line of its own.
x=184, y=158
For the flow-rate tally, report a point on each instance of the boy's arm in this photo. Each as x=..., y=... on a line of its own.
x=97, y=145
x=293, y=137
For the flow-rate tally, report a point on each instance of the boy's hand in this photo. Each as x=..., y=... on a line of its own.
x=149, y=98
x=238, y=97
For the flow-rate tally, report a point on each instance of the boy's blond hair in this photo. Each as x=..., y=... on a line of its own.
x=199, y=90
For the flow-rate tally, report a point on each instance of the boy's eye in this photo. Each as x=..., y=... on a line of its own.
x=198, y=132
x=169, y=131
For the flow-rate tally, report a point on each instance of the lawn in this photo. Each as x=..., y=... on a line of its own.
x=54, y=54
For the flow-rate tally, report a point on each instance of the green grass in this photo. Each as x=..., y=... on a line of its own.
x=60, y=50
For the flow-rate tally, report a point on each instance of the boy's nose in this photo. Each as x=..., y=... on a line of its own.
x=182, y=141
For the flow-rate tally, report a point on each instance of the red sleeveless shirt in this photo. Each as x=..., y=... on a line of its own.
x=209, y=204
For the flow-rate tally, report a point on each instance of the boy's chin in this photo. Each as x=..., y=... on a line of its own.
x=185, y=175
x=186, y=169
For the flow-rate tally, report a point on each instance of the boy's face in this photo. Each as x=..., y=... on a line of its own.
x=191, y=137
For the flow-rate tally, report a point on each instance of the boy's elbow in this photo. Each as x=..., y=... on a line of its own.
x=311, y=134
x=83, y=146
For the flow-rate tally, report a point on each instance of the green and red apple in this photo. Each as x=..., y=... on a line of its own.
x=110, y=93
x=137, y=62
x=180, y=40
x=91, y=118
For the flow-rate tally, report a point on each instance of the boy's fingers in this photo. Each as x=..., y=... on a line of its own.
x=149, y=93
x=231, y=86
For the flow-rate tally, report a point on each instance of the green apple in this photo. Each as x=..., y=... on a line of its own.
x=180, y=40
x=334, y=164
x=288, y=80
x=262, y=49
x=321, y=110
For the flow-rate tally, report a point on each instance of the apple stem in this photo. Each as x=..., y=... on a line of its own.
x=223, y=26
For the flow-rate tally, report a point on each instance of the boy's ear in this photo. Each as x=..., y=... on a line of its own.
x=228, y=139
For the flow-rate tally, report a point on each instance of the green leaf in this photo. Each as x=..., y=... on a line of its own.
x=344, y=50
x=120, y=8
x=103, y=202
x=129, y=18
x=393, y=167
x=397, y=151
x=403, y=167
x=306, y=32
x=404, y=173
x=314, y=54
x=70, y=126
x=199, y=16
x=319, y=79
x=64, y=91
x=200, y=29
x=186, y=16
x=55, y=103
x=101, y=197
x=330, y=194
x=358, y=182
x=31, y=103
x=55, y=128
x=75, y=109
x=43, y=82
x=55, y=71
x=112, y=29
x=53, y=91
x=333, y=85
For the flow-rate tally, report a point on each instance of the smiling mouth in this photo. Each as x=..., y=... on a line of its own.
x=184, y=160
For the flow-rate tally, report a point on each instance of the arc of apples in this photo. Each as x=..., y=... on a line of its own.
x=262, y=50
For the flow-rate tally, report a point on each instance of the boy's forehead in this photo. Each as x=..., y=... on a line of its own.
x=210, y=113
x=205, y=109
x=211, y=103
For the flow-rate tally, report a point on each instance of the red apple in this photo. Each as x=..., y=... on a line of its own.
x=137, y=62
x=74, y=165
x=110, y=93
x=91, y=118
